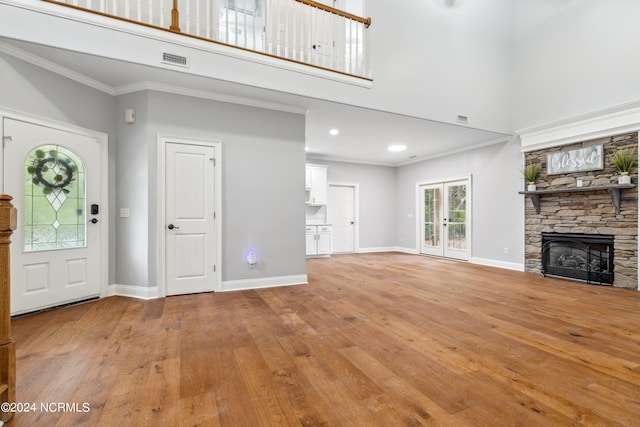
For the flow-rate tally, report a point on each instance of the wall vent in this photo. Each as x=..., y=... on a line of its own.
x=462, y=119
x=173, y=59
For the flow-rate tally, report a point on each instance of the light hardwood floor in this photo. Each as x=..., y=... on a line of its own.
x=373, y=340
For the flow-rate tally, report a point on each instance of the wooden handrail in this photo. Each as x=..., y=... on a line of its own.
x=8, y=223
x=365, y=21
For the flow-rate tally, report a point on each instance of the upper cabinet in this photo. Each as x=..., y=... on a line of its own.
x=316, y=185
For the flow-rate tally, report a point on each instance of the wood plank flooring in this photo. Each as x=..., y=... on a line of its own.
x=374, y=340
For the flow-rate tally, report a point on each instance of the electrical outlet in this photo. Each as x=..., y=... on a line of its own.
x=506, y=251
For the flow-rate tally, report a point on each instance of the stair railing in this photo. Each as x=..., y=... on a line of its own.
x=8, y=223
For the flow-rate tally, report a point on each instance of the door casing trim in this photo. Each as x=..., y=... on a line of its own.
x=103, y=140
x=418, y=214
x=160, y=207
x=356, y=211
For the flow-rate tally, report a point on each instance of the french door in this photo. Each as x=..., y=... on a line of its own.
x=444, y=212
x=55, y=178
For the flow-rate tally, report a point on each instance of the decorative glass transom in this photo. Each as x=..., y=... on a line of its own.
x=54, y=199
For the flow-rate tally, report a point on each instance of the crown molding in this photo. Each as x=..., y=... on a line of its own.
x=213, y=96
x=610, y=121
x=55, y=68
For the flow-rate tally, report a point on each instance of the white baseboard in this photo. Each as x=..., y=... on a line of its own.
x=387, y=249
x=499, y=264
x=263, y=282
x=411, y=251
x=140, y=292
x=473, y=260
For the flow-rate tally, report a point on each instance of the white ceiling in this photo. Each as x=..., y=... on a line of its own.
x=364, y=134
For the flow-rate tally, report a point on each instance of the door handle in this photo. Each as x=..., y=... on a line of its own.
x=171, y=227
x=93, y=220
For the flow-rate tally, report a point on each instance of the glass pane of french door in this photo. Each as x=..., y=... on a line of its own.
x=457, y=217
x=432, y=217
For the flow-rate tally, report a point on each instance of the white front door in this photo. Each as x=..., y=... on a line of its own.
x=54, y=177
x=445, y=218
x=190, y=229
x=341, y=216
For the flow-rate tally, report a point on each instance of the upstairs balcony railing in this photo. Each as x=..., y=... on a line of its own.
x=302, y=31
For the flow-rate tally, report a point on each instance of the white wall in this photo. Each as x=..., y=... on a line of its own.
x=436, y=62
x=451, y=61
x=497, y=208
x=573, y=57
x=377, y=192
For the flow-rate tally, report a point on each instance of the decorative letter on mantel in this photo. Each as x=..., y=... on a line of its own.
x=580, y=160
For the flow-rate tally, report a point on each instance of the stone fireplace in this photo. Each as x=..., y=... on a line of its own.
x=597, y=208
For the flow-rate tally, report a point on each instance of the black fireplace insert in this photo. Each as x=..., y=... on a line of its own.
x=583, y=257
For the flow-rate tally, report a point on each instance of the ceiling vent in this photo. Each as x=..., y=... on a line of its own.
x=462, y=119
x=173, y=59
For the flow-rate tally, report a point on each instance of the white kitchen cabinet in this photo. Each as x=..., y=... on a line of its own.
x=316, y=183
x=311, y=239
x=324, y=240
x=318, y=240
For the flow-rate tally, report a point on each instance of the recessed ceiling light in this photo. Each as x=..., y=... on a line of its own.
x=306, y=148
x=397, y=147
x=334, y=132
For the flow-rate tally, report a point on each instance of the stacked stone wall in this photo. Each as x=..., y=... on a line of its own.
x=590, y=212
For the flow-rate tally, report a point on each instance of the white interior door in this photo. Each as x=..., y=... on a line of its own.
x=445, y=218
x=54, y=177
x=190, y=218
x=342, y=217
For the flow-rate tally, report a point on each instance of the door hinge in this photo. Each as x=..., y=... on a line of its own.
x=214, y=216
x=6, y=138
x=213, y=159
x=214, y=268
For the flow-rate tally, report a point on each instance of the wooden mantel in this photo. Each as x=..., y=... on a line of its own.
x=8, y=223
x=613, y=189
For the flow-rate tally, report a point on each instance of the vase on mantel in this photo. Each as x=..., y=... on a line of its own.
x=531, y=186
x=624, y=178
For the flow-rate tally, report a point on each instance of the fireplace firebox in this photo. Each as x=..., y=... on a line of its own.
x=582, y=257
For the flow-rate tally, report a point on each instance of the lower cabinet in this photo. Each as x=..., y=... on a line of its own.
x=318, y=238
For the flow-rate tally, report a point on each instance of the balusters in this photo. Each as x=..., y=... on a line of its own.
x=301, y=30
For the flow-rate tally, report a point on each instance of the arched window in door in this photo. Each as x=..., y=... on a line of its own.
x=54, y=199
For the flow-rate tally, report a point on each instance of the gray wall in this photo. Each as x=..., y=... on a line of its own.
x=25, y=88
x=497, y=208
x=262, y=182
x=377, y=186
x=132, y=191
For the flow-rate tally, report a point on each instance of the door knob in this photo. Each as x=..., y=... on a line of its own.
x=93, y=220
x=171, y=227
